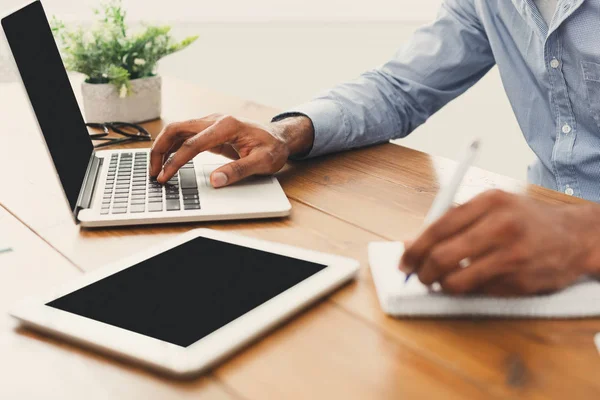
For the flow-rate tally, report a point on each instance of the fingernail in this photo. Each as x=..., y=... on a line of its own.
x=219, y=179
x=160, y=176
x=405, y=268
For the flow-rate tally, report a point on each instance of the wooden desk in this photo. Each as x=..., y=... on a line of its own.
x=343, y=347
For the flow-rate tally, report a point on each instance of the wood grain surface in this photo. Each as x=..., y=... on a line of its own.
x=344, y=346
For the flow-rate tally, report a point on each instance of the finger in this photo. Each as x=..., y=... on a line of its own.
x=455, y=220
x=521, y=282
x=211, y=137
x=480, y=272
x=176, y=145
x=169, y=136
x=487, y=233
x=499, y=287
x=407, y=243
x=226, y=150
x=236, y=171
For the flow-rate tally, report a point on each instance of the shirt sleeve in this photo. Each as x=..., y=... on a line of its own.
x=440, y=62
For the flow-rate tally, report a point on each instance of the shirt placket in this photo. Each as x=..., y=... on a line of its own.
x=566, y=125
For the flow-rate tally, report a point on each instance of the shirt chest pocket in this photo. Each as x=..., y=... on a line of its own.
x=591, y=74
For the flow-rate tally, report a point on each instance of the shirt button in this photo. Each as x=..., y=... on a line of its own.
x=569, y=191
x=554, y=63
x=566, y=129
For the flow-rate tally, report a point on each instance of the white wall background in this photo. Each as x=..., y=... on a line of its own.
x=253, y=10
x=282, y=52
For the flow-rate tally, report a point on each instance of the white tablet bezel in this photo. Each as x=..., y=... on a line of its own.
x=170, y=358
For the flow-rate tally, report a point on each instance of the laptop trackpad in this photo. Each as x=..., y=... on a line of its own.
x=253, y=180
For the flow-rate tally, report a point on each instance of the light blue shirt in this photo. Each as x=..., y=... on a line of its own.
x=550, y=73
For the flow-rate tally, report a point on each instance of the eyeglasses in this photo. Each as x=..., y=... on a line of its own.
x=132, y=133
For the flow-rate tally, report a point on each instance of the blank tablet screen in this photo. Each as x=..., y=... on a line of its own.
x=188, y=292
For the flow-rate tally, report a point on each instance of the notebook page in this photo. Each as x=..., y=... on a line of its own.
x=414, y=299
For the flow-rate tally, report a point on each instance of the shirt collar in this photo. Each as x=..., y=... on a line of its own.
x=529, y=12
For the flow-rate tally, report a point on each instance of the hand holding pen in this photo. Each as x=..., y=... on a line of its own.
x=446, y=195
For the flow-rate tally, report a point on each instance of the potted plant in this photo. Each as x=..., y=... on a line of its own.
x=120, y=67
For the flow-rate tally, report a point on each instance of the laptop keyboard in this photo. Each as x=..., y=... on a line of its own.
x=128, y=188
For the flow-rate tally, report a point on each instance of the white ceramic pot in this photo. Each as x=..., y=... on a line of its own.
x=102, y=103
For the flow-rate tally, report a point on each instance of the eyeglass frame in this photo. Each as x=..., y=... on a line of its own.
x=141, y=136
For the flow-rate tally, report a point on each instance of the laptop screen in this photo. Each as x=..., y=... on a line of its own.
x=53, y=101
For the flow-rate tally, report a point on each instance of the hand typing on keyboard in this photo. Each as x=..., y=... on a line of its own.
x=257, y=149
x=129, y=190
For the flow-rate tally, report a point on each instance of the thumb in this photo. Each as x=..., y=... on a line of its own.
x=235, y=171
x=404, y=267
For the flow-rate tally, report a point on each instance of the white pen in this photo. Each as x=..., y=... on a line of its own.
x=445, y=198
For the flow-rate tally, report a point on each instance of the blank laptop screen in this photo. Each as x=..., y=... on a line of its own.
x=47, y=84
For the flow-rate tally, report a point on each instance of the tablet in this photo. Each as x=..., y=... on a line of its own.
x=184, y=305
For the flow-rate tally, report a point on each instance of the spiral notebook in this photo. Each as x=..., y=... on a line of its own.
x=416, y=300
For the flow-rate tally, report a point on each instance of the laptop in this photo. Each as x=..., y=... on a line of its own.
x=113, y=187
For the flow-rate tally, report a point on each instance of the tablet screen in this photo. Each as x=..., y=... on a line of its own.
x=188, y=292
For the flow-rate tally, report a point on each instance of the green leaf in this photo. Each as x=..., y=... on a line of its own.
x=119, y=77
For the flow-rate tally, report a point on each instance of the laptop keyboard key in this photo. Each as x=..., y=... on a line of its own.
x=188, y=179
x=173, y=205
x=154, y=207
x=135, y=208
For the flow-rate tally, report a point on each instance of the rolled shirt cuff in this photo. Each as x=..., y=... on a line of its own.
x=329, y=123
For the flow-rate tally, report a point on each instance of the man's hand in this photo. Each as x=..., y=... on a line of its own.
x=256, y=149
x=514, y=246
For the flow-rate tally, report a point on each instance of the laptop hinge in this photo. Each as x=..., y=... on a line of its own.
x=89, y=184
